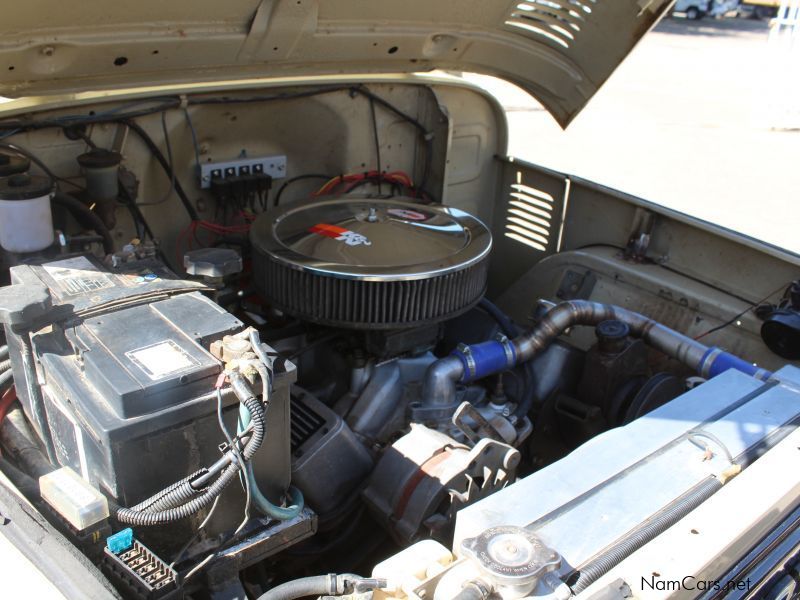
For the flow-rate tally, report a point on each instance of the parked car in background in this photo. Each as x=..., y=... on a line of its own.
x=760, y=9
x=693, y=9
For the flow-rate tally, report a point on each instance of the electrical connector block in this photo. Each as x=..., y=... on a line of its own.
x=141, y=572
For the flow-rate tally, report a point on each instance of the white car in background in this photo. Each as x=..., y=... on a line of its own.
x=693, y=9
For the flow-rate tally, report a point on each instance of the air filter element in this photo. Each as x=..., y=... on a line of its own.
x=364, y=263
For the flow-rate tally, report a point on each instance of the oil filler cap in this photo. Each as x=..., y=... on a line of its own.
x=512, y=558
x=212, y=262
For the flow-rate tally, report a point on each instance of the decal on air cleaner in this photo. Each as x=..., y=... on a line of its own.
x=351, y=238
x=405, y=213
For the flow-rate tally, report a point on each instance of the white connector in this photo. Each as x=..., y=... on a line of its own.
x=73, y=498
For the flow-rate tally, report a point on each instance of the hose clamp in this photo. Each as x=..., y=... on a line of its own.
x=508, y=349
x=708, y=360
x=469, y=359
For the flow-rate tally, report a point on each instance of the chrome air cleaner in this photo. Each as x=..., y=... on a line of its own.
x=365, y=263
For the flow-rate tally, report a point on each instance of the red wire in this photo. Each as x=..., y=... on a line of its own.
x=398, y=177
x=9, y=397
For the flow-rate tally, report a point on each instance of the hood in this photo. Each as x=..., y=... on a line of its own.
x=559, y=51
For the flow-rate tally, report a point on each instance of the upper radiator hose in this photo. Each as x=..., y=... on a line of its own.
x=479, y=360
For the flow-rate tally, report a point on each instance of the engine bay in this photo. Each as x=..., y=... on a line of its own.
x=257, y=336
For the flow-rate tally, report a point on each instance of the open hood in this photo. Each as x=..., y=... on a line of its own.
x=560, y=51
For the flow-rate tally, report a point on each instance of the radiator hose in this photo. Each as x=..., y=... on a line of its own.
x=321, y=585
x=510, y=330
x=477, y=361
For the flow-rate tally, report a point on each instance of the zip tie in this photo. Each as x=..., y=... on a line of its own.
x=184, y=102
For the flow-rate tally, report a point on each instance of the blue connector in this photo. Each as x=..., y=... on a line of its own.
x=486, y=358
x=120, y=541
x=716, y=361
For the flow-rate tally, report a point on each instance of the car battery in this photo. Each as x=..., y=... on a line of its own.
x=127, y=384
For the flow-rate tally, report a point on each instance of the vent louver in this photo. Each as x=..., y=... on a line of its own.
x=304, y=423
x=554, y=21
x=529, y=217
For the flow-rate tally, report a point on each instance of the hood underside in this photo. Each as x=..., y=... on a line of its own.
x=560, y=51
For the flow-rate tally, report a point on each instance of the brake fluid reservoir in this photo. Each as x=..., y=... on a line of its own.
x=26, y=223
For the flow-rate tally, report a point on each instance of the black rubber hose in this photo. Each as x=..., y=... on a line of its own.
x=159, y=156
x=135, y=211
x=503, y=320
x=32, y=157
x=510, y=330
x=472, y=590
x=319, y=585
x=526, y=401
x=602, y=564
x=23, y=482
x=86, y=217
x=20, y=444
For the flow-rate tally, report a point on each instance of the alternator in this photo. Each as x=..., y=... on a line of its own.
x=426, y=476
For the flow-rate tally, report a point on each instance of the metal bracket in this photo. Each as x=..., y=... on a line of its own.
x=641, y=230
x=484, y=429
x=575, y=285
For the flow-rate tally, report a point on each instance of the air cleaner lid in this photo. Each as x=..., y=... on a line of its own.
x=372, y=239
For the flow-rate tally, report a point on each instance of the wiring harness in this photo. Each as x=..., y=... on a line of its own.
x=202, y=488
x=191, y=494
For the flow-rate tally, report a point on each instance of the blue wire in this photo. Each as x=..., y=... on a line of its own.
x=258, y=498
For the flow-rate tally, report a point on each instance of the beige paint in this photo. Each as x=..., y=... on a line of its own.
x=561, y=52
x=697, y=275
x=331, y=133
